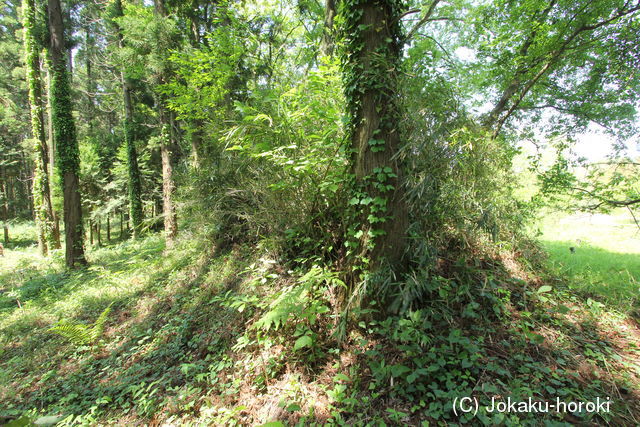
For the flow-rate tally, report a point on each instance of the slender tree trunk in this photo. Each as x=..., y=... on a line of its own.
x=13, y=207
x=372, y=61
x=134, y=183
x=65, y=135
x=52, y=142
x=52, y=146
x=5, y=207
x=91, y=232
x=90, y=113
x=326, y=46
x=167, y=152
x=168, y=186
x=196, y=143
x=99, y=232
x=41, y=187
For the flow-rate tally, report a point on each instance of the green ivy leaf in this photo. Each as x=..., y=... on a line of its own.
x=303, y=341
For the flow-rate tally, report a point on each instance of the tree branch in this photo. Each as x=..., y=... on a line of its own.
x=422, y=21
x=554, y=57
x=603, y=201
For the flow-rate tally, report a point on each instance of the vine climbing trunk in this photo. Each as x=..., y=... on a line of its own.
x=134, y=181
x=44, y=216
x=370, y=65
x=65, y=135
x=52, y=150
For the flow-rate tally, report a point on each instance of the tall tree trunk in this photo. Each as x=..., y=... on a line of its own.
x=52, y=146
x=196, y=143
x=370, y=66
x=66, y=140
x=167, y=151
x=5, y=206
x=326, y=46
x=41, y=187
x=108, y=227
x=90, y=84
x=134, y=183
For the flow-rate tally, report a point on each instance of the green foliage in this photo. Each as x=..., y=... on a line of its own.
x=279, y=169
x=299, y=303
x=203, y=336
x=80, y=334
x=561, y=59
x=208, y=77
x=590, y=186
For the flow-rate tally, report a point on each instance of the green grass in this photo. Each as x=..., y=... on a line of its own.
x=160, y=315
x=183, y=343
x=605, y=262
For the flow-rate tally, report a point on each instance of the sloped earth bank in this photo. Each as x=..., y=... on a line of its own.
x=234, y=337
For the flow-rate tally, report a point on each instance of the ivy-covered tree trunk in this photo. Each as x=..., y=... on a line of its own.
x=370, y=65
x=66, y=140
x=134, y=182
x=52, y=150
x=44, y=216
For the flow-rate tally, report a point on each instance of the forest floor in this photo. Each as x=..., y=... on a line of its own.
x=182, y=343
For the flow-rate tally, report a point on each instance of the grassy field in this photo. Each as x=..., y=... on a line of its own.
x=605, y=261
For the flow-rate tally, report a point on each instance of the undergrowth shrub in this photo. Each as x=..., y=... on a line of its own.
x=276, y=170
x=300, y=311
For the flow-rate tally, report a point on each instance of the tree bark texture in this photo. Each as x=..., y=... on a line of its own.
x=5, y=207
x=168, y=149
x=66, y=139
x=326, y=46
x=370, y=66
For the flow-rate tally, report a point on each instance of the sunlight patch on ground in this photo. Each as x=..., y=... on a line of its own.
x=599, y=253
x=616, y=232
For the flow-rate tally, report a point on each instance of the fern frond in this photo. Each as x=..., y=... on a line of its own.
x=80, y=334
x=98, y=326
x=293, y=299
x=77, y=333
